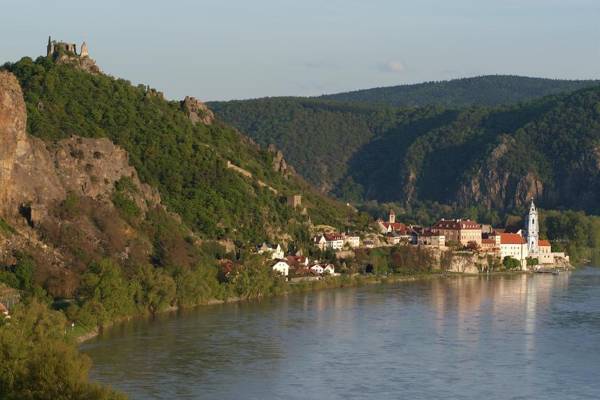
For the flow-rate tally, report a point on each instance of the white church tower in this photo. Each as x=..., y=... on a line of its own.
x=533, y=230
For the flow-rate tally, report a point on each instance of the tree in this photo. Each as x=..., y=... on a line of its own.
x=511, y=263
x=532, y=261
x=105, y=285
x=37, y=363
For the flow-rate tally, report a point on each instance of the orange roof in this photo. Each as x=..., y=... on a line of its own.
x=511, y=238
x=544, y=243
x=488, y=241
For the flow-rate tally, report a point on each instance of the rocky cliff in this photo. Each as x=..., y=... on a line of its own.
x=39, y=181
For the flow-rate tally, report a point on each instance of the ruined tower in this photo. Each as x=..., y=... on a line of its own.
x=50, y=47
x=533, y=230
x=84, y=50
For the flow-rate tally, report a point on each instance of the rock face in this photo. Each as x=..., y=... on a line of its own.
x=197, y=111
x=495, y=187
x=27, y=174
x=35, y=177
x=279, y=164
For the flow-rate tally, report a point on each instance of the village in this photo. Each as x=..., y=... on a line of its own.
x=467, y=240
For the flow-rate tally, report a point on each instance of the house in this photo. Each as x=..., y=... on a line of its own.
x=353, y=241
x=544, y=254
x=431, y=238
x=323, y=269
x=333, y=241
x=415, y=231
x=462, y=231
x=320, y=242
x=317, y=269
x=273, y=250
x=329, y=269
x=282, y=267
x=296, y=262
x=491, y=243
x=391, y=225
x=515, y=246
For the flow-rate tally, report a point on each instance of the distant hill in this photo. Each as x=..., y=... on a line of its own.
x=497, y=157
x=490, y=90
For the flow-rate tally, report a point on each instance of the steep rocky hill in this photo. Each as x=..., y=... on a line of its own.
x=93, y=167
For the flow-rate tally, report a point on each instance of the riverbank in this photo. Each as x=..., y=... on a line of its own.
x=334, y=282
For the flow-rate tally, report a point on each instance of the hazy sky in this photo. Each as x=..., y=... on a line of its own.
x=226, y=49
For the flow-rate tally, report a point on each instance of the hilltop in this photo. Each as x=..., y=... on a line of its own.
x=488, y=90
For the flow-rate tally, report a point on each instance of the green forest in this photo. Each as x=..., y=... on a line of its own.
x=488, y=91
x=463, y=157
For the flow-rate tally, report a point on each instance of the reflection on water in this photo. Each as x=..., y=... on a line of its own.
x=500, y=337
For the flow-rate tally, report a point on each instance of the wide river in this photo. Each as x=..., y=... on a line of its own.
x=500, y=337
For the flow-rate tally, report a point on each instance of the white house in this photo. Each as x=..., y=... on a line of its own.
x=320, y=242
x=281, y=267
x=333, y=241
x=275, y=251
x=317, y=269
x=515, y=246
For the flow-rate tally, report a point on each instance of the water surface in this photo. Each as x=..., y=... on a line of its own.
x=501, y=337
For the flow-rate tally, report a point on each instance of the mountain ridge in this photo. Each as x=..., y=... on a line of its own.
x=483, y=90
x=436, y=154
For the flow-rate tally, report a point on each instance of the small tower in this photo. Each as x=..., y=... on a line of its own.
x=50, y=47
x=392, y=217
x=84, y=50
x=533, y=230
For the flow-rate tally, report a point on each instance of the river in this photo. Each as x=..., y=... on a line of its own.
x=499, y=337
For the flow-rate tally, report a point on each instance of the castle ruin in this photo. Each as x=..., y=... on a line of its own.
x=54, y=48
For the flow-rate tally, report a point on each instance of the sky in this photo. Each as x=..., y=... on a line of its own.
x=235, y=49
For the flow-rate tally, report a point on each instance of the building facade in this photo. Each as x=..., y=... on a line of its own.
x=462, y=231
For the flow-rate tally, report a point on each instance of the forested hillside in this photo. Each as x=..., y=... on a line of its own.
x=489, y=157
x=490, y=90
x=186, y=162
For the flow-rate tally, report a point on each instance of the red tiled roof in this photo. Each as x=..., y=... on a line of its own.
x=544, y=243
x=511, y=238
x=396, y=226
x=488, y=241
x=333, y=236
x=456, y=224
x=296, y=261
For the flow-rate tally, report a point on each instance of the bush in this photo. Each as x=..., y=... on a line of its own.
x=511, y=263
